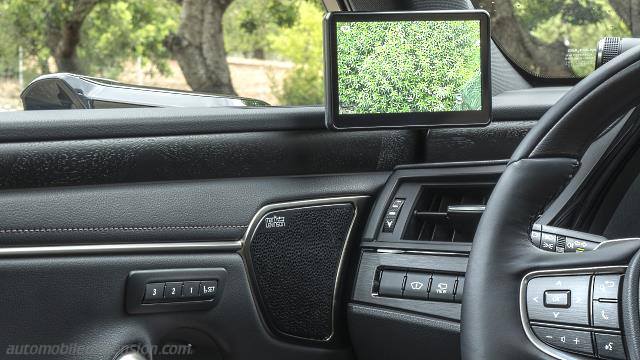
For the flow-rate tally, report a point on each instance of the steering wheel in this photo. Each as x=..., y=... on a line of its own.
x=495, y=320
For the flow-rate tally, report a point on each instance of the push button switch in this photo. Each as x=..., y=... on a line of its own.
x=391, y=283
x=208, y=289
x=190, y=289
x=571, y=340
x=417, y=286
x=173, y=290
x=605, y=315
x=442, y=287
x=459, y=289
x=153, y=292
x=548, y=242
x=606, y=287
x=557, y=298
x=610, y=347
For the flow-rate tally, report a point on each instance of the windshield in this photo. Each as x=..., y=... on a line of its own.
x=268, y=50
x=558, y=38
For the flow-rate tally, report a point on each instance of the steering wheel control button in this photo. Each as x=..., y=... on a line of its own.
x=173, y=290
x=570, y=340
x=605, y=314
x=557, y=299
x=548, y=242
x=606, y=287
x=417, y=286
x=459, y=289
x=442, y=287
x=153, y=292
x=610, y=347
x=577, y=313
x=208, y=289
x=190, y=289
x=391, y=283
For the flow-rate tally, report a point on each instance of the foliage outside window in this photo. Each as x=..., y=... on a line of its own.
x=557, y=38
x=265, y=49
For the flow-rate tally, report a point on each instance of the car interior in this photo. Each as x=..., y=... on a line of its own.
x=252, y=232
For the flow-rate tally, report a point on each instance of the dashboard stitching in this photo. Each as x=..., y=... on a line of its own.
x=122, y=228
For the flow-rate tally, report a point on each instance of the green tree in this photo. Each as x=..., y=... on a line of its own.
x=382, y=70
x=198, y=46
x=248, y=23
x=302, y=45
x=119, y=31
x=555, y=38
x=87, y=37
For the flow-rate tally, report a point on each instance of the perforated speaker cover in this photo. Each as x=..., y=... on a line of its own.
x=295, y=255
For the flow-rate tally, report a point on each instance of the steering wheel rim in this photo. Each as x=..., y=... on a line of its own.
x=542, y=165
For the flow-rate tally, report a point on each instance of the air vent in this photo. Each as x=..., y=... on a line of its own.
x=447, y=213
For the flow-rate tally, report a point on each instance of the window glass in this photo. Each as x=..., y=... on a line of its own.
x=558, y=38
x=270, y=50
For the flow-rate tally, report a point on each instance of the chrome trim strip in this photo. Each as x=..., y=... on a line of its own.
x=119, y=248
x=553, y=352
x=356, y=201
x=420, y=252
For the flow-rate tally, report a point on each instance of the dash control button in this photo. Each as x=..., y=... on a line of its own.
x=442, y=287
x=388, y=224
x=173, y=290
x=391, y=283
x=190, y=289
x=417, y=286
x=395, y=207
x=153, y=292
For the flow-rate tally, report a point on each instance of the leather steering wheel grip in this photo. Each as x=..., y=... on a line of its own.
x=540, y=168
x=583, y=113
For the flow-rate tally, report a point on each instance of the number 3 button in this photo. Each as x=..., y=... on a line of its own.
x=153, y=292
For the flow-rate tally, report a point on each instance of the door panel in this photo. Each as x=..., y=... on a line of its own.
x=79, y=301
x=215, y=210
x=90, y=196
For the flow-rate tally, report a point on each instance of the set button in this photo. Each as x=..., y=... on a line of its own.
x=180, y=291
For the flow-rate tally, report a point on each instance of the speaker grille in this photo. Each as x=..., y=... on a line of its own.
x=295, y=255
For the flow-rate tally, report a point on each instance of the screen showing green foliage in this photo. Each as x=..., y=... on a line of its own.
x=409, y=66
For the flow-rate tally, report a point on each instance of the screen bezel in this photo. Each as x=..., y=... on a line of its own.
x=335, y=120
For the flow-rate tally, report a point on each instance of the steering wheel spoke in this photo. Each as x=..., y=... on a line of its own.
x=571, y=308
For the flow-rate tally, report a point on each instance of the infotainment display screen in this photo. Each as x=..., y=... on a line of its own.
x=404, y=69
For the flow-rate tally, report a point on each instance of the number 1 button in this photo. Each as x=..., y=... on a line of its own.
x=190, y=289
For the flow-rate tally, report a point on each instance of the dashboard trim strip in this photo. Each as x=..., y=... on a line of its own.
x=120, y=248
